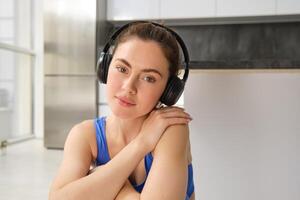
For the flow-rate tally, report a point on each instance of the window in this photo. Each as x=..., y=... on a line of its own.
x=16, y=69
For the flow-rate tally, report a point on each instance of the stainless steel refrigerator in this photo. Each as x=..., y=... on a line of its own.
x=69, y=61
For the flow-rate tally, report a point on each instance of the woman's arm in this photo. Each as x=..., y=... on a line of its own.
x=106, y=181
x=128, y=192
x=72, y=181
x=168, y=177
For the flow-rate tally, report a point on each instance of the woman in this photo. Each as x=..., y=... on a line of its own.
x=141, y=151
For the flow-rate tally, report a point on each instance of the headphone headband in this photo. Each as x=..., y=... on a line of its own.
x=178, y=39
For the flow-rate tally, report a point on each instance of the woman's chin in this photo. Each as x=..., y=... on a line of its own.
x=123, y=113
x=128, y=113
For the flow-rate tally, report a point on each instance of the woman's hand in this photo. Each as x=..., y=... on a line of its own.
x=158, y=121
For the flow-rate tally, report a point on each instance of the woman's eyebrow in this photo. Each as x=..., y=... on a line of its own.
x=152, y=70
x=143, y=70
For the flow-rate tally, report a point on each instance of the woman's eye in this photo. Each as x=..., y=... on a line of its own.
x=149, y=79
x=121, y=69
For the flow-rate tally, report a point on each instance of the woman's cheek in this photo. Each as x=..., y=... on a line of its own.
x=153, y=95
x=111, y=89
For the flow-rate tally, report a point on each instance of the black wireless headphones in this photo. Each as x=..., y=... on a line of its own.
x=175, y=85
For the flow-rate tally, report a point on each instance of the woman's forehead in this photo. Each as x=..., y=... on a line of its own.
x=142, y=53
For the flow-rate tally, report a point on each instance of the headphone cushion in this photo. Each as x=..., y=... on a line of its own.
x=173, y=91
x=103, y=66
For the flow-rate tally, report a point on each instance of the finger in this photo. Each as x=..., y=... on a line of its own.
x=173, y=121
x=177, y=107
x=171, y=108
x=180, y=114
x=173, y=111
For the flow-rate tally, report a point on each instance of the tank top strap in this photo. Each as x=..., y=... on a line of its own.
x=102, y=152
x=191, y=187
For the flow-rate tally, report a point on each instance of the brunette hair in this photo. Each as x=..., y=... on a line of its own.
x=150, y=32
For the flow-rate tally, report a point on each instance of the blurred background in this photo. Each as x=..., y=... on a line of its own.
x=243, y=91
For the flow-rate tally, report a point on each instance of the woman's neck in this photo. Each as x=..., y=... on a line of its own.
x=125, y=129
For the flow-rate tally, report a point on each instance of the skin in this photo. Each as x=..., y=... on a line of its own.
x=131, y=133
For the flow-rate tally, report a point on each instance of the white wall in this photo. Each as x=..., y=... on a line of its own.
x=245, y=135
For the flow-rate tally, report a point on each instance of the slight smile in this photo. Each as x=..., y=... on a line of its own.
x=124, y=102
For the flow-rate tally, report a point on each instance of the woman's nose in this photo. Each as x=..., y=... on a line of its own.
x=130, y=85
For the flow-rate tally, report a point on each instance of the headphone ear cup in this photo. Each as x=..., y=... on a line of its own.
x=102, y=67
x=173, y=91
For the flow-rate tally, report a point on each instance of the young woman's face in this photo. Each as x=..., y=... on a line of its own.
x=137, y=77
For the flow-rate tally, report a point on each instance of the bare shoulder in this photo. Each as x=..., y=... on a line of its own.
x=78, y=155
x=84, y=126
x=83, y=132
x=175, y=140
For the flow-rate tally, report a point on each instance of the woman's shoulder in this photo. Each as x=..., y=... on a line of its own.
x=85, y=126
x=174, y=140
x=84, y=132
x=177, y=132
x=88, y=126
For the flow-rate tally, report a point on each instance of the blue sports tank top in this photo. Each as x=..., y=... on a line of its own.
x=103, y=157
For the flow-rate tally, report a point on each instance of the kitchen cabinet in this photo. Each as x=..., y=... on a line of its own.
x=126, y=10
x=175, y=9
x=118, y=10
x=237, y=8
x=287, y=7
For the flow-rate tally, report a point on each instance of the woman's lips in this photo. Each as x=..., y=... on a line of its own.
x=125, y=102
